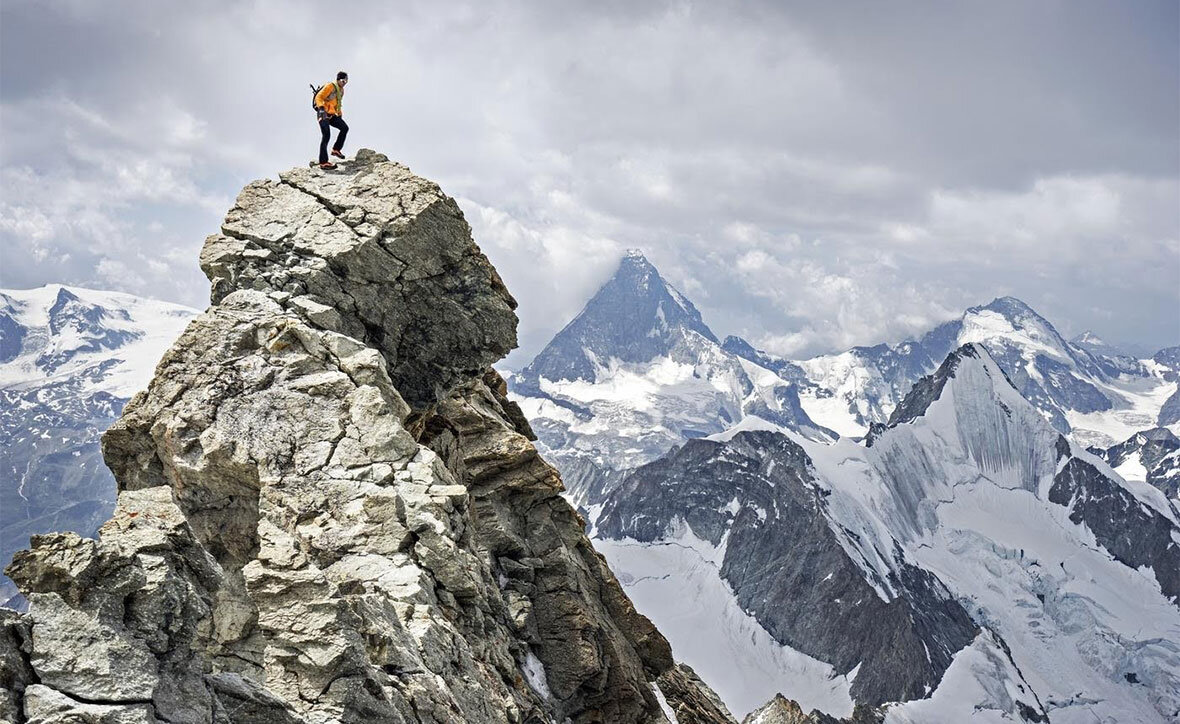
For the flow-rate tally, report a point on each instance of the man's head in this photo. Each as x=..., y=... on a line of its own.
x=342, y=77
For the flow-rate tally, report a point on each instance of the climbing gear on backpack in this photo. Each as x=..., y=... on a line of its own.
x=328, y=98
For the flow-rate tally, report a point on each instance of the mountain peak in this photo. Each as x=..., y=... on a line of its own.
x=636, y=316
x=634, y=266
x=739, y=346
x=1089, y=337
x=1010, y=307
x=64, y=295
x=929, y=388
x=1018, y=323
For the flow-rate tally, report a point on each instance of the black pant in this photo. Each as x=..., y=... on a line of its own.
x=326, y=131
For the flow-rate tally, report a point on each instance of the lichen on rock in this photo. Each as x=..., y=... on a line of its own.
x=328, y=510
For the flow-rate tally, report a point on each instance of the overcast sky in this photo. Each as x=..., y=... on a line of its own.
x=812, y=175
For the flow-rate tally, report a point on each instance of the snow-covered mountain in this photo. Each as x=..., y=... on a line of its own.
x=1085, y=388
x=1166, y=364
x=967, y=560
x=1151, y=456
x=1116, y=360
x=638, y=371
x=69, y=360
x=635, y=373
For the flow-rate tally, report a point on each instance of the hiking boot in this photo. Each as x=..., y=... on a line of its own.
x=337, y=153
x=327, y=165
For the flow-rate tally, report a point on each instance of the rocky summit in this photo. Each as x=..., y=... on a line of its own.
x=328, y=509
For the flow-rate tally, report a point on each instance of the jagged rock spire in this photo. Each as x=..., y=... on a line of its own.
x=378, y=254
x=329, y=510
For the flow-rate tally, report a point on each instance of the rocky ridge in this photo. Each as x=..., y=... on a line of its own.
x=329, y=511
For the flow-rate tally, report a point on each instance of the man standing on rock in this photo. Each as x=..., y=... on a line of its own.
x=328, y=104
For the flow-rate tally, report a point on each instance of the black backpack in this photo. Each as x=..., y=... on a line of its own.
x=315, y=90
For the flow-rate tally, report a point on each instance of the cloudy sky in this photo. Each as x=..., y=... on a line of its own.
x=812, y=175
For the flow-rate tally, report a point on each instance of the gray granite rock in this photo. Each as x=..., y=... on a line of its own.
x=781, y=710
x=328, y=510
x=375, y=253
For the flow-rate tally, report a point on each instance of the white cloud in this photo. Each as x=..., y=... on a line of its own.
x=810, y=180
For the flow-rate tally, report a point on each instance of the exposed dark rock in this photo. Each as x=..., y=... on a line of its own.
x=787, y=567
x=1133, y=532
x=1158, y=451
x=690, y=699
x=929, y=388
x=11, y=337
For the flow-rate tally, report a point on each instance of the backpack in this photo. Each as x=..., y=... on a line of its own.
x=315, y=90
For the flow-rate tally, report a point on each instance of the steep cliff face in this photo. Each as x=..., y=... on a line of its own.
x=755, y=497
x=328, y=509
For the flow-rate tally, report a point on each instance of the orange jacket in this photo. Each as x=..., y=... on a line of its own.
x=330, y=98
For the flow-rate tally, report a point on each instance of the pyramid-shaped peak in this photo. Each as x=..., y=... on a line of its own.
x=634, y=265
x=637, y=276
x=636, y=316
x=929, y=388
x=634, y=261
x=64, y=295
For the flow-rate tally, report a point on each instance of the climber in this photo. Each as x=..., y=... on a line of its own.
x=328, y=110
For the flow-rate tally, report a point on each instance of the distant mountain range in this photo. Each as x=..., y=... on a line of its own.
x=915, y=531
x=638, y=372
x=70, y=358
x=1085, y=388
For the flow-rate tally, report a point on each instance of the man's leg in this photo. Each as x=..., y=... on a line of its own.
x=338, y=122
x=325, y=134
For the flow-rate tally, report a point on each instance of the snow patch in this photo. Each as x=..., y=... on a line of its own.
x=655, y=689
x=677, y=584
x=534, y=674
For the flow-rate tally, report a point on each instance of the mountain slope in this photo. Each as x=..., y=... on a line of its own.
x=70, y=358
x=1035, y=581
x=1166, y=363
